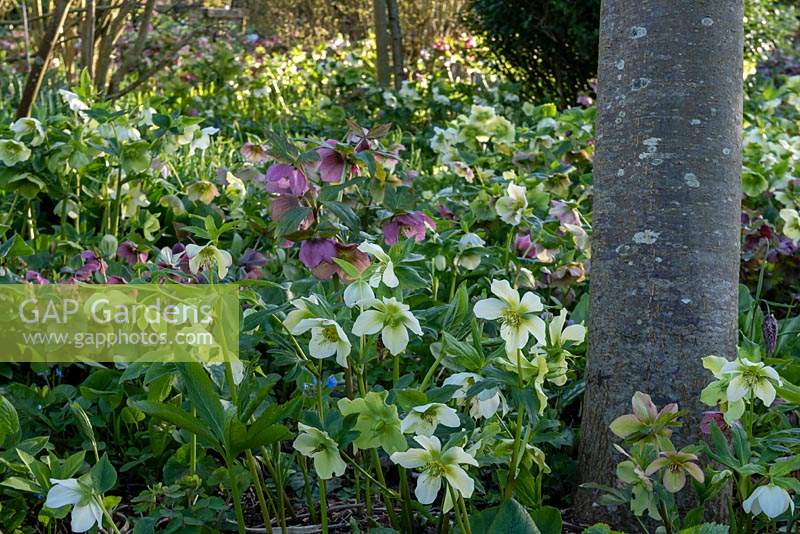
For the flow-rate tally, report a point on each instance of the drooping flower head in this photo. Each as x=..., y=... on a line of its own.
x=333, y=167
x=413, y=224
x=770, y=500
x=86, y=509
x=318, y=445
x=208, y=256
x=285, y=179
x=511, y=208
x=129, y=251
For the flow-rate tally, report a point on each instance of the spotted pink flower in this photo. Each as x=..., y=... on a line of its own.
x=413, y=224
x=254, y=153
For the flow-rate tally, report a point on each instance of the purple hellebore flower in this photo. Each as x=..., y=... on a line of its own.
x=35, y=278
x=116, y=280
x=413, y=224
x=524, y=244
x=332, y=164
x=585, y=100
x=317, y=250
x=285, y=180
x=252, y=258
x=129, y=251
x=283, y=204
x=712, y=417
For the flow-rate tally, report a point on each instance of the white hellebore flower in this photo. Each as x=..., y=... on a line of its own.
x=206, y=256
x=28, y=126
x=204, y=141
x=751, y=378
x=511, y=207
x=469, y=247
x=317, y=444
x=327, y=339
x=86, y=509
x=73, y=101
x=436, y=465
x=517, y=316
x=424, y=419
x=391, y=318
x=13, y=152
x=484, y=404
x=560, y=335
x=300, y=311
x=385, y=271
x=771, y=500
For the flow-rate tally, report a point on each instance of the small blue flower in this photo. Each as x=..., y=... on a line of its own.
x=59, y=372
x=331, y=382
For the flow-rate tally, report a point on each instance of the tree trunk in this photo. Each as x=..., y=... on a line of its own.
x=87, y=38
x=43, y=57
x=381, y=42
x=665, y=248
x=397, y=43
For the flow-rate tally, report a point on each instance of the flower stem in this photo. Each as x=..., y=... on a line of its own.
x=257, y=479
x=107, y=516
x=323, y=505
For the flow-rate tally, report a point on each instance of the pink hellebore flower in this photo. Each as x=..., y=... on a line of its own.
x=285, y=180
x=254, y=153
x=283, y=204
x=525, y=245
x=332, y=164
x=565, y=214
x=317, y=250
x=35, y=278
x=129, y=251
x=413, y=224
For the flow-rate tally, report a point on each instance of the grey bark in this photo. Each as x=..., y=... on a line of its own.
x=665, y=248
x=398, y=63
x=381, y=42
x=87, y=38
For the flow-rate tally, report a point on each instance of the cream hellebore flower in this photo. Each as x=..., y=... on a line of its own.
x=677, y=465
x=317, y=444
x=791, y=223
x=73, y=101
x=327, y=339
x=204, y=141
x=300, y=312
x=750, y=379
x=511, y=207
x=206, y=256
x=738, y=381
x=436, y=465
x=771, y=500
x=423, y=420
x=86, y=509
x=385, y=270
x=391, y=318
x=484, y=404
x=470, y=250
x=28, y=126
x=560, y=335
x=13, y=152
x=517, y=316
